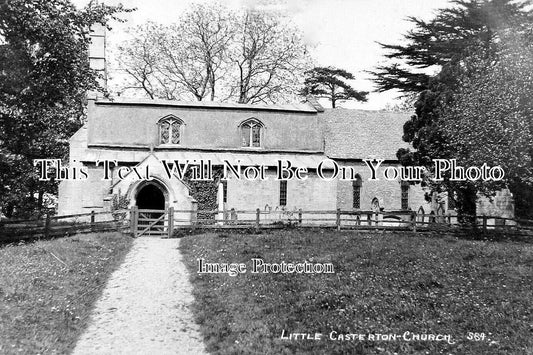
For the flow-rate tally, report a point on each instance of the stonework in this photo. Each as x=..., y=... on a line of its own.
x=129, y=131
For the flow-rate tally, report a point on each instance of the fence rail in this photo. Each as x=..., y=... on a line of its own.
x=128, y=220
x=56, y=226
x=339, y=219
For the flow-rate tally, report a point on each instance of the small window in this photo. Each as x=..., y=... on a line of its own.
x=283, y=193
x=405, y=196
x=251, y=133
x=356, y=192
x=224, y=191
x=170, y=131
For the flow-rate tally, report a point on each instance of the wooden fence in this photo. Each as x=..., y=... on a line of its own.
x=341, y=219
x=58, y=226
x=171, y=220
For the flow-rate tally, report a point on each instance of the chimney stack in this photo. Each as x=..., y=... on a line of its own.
x=97, y=52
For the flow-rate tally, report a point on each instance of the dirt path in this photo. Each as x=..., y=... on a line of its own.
x=145, y=306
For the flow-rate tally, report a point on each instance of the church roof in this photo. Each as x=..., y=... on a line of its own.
x=360, y=134
x=296, y=107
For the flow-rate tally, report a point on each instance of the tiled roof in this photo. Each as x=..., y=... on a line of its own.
x=359, y=134
x=298, y=107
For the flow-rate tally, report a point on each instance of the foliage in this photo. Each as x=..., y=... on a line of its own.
x=405, y=104
x=213, y=53
x=48, y=289
x=383, y=283
x=330, y=83
x=491, y=118
x=205, y=193
x=441, y=45
x=119, y=202
x=44, y=77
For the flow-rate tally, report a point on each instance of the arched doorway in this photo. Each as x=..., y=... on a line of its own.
x=150, y=200
x=150, y=197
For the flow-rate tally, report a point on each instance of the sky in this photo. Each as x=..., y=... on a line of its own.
x=340, y=33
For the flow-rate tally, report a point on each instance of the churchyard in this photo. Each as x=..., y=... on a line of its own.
x=391, y=293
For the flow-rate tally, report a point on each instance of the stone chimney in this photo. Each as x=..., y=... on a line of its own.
x=97, y=52
x=311, y=100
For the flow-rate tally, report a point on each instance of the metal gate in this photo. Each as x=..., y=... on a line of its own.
x=151, y=223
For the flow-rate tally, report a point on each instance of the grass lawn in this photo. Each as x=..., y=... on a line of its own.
x=383, y=284
x=47, y=289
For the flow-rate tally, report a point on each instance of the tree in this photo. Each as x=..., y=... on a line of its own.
x=329, y=82
x=270, y=57
x=491, y=117
x=212, y=53
x=44, y=77
x=184, y=59
x=405, y=104
x=441, y=45
x=140, y=59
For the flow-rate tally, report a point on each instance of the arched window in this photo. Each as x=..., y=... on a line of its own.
x=375, y=205
x=251, y=133
x=170, y=130
x=356, y=192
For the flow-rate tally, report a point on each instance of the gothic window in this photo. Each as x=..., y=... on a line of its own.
x=170, y=130
x=405, y=195
x=251, y=133
x=375, y=205
x=356, y=192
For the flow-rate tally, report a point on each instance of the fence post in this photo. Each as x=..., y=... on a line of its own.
x=257, y=216
x=300, y=216
x=413, y=221
x=338, y=219
x=369, y=218
x=484, y=222
x=93, y=217
x=134, y=215
x=170, y=221
x=47, y=225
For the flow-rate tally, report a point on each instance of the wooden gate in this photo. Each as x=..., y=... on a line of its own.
x=152, y=222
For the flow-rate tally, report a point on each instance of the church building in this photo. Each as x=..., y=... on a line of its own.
x=152, y=134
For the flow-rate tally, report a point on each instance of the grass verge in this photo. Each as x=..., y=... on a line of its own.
x=48, y=288
x=383, y=284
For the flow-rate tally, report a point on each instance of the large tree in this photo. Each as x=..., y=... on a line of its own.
x=441, y=45
x=491, y=117
x=44, y=77
x=184, y=59
x=330, y=83
x=270, y=57
x=213, y=53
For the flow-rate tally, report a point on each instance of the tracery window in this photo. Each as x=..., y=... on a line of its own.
x=170, y=131
x=251, y=133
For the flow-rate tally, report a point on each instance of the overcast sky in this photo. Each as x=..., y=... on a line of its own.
x=342, y=33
